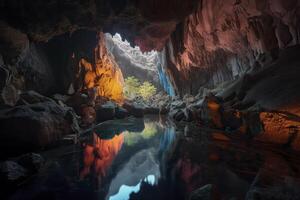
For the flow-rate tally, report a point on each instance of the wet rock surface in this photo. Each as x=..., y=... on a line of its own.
x=35, y=125
x=106, y=111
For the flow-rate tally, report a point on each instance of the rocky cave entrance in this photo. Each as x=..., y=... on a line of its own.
x=143, y=74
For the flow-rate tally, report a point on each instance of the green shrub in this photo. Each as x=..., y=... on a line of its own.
x=133, y=88
x=147, y=90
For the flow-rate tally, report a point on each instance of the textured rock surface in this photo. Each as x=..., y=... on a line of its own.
x=106, y=111
x=275, y=87
x=37, y=125
x=153, y=20
x=206, y=42
x=223, y=39
x=103, y=75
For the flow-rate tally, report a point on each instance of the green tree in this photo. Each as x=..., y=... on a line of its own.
x=146, y=90
x=131, y=88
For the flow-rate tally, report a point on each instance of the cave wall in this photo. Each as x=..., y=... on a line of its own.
x=224, y=39
x=46, y=67
x=101, y=76
x=51, y=28
x=148, y=23
x=206, y=42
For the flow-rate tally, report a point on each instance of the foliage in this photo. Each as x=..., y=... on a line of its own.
x=132, y=138
x=149, y=131
x=133, y=88
x=147, y=90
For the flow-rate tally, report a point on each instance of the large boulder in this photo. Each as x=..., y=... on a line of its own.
x=77, y=100
x=136, y=110
x=121, y=113
x=106, y=111
x=177, y=114
x=32, y=126
x=31, y=97
x=31, y=161
x=280, y=128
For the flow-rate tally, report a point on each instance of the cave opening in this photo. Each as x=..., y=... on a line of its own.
x=149, y=99
x=141, y=70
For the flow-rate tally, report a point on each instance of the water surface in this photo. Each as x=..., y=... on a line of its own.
x=157, y=160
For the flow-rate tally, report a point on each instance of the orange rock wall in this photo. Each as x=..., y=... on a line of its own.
x=104, y=75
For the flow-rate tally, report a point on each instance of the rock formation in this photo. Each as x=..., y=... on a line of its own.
x=230, y=66
x=224, y=39
x=103, y=75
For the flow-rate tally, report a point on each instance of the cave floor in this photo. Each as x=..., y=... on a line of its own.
x=165, y=161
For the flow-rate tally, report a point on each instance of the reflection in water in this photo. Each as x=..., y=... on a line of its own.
x=167, y=138
x=158, y=164
x=132, y=138
x=125, y=190
x=131, y=157
x=100, y=155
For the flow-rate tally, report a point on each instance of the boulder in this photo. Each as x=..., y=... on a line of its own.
x=177, y=104
x=33, y=126
x=77, y=100
x=106, y=111
x=88, y=114
x=31, y=162
x=11, y=172
x=177, y=114
x=136, y=110
x=279, y=128
x=31, y=97
x=121, y=113
x=60, y=97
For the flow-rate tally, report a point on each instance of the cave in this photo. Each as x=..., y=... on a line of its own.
x=150, y=99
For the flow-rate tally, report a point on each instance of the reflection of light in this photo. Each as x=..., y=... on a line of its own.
x=167, y=138
x=125, y=190
x=132, y=138
x=101, y=154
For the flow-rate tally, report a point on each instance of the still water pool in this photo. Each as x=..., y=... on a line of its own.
x=151, y=158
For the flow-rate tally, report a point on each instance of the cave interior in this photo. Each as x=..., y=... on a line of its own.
x=150, y=99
